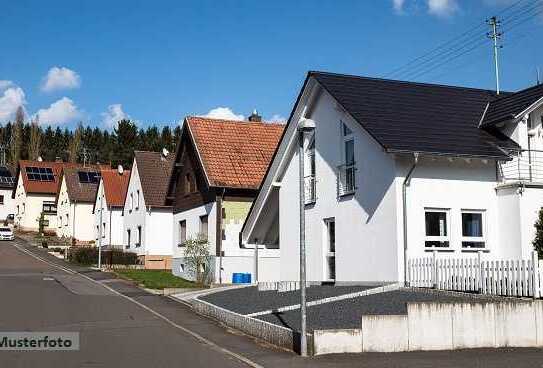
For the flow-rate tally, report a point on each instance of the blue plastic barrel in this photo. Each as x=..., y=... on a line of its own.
x=237, y=278
x=247, y=278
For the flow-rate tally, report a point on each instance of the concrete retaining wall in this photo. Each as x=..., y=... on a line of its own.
x=337, y=341
x=276, y=335
x=443, y=326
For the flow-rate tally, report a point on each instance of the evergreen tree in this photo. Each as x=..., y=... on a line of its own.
x=35, y=140
x=75, y=144
x=125, y=138
x=166, y=139
x=538, y=241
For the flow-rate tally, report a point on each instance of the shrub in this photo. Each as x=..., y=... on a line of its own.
x=198, y=259
x=538, y=241
x=89, y=256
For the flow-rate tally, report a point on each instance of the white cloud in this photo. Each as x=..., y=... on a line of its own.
x=59, y=112
x=113, y=115
x=225, y=113
x=59, y=79
x=398, y=5
x=11, y=97
x=276, y=118
x=442, y=8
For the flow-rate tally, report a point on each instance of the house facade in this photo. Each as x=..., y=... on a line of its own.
x=75, y=202
x=36, y=188
x=108, y=207
x=219, y=166
x=7, y=184
x=396, y=170
x=147, y=215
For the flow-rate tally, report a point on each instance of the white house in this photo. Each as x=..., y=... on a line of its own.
x=219, y=166
x=396, y=170
x=75, y=201
x=148, y=218
x=7, y=184
x=36, y=188
x=109, y=200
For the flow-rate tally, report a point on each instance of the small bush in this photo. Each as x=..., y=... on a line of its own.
x=89, y=256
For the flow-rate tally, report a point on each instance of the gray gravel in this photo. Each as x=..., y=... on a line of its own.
x=347, y=313
x=249, y=300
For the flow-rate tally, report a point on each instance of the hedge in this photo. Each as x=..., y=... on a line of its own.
x=89, y=256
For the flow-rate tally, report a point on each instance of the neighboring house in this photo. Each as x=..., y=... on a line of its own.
x=75, y=218
x=219, y=166
x=147, y=217
x=7, y=184
x=110, y=198
x=398, y=170
x=36, y=188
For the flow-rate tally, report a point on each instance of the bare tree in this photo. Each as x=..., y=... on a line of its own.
x=35, y=140
x=73, y=150
x=17, y=136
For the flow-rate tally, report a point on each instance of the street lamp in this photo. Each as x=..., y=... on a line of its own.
x=304, y=126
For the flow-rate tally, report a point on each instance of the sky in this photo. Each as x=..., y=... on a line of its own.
x=158, y=61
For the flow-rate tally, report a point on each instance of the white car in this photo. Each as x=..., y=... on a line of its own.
x=6, y=233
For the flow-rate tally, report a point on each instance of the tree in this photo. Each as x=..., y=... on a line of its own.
x=197, y=259
x=16, y=138
x=125, y=139
x=35, y=140
x=75, y=144
x=538, y=241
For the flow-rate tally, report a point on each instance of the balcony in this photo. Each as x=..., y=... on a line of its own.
x=526, y=166
x=346, y=179
x=310, y=195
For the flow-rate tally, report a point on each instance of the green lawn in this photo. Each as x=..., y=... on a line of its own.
x=156, y=279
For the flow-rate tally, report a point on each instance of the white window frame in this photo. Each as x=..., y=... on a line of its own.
x=138, y=200
x=476, y=239
x=326, y=251
x=131, y=201
x=181, y=242
x=446, y=238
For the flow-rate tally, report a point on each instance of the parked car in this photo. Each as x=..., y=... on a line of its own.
x=6, y=233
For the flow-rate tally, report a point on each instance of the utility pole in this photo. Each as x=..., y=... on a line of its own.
x=100, y=232
x=494, y=35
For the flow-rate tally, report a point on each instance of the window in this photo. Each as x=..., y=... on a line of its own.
x=103, y=230
x=181, y=268
x=97, y=232
x=24, y=207
x=203, y=226
x=128, y=238
x=347, y=179
x=49, y=208
x=182, y=233
x=437, y=231
x=1, y=199
x=473, y=231
x=330, y=250
x=131, y=201
x=17, y=209
x=137, y=199
x=67, y=220
x=189, y=185
x=138, y=244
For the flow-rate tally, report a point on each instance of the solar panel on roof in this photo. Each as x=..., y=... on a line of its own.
x=39, y=173
x=88, y=177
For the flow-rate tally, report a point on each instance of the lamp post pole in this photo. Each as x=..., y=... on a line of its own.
x=100, y=233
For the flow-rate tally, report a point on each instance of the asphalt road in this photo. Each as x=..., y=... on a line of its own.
x=123, y=326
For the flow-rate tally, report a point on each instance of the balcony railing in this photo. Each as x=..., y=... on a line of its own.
x=526, y=165
x=346, y=179
x=310, y=189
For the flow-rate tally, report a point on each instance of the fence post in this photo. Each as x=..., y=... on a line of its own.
x=535, y=275
x=479, y=274
x=434, y=269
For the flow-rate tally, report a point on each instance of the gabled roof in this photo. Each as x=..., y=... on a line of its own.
x=418, y=117
x=78, y=191
x=154, y=171
x=510, y=106
x=115, y=186
x=44, y=187
x=234, y=154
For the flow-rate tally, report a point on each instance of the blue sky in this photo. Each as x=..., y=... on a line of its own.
x=157, y=61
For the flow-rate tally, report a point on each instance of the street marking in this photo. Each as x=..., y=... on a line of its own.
x=197, y=336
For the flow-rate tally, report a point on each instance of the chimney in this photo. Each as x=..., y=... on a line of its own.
x=164, y=154
x=120, y=170
x=255, y=118
x=58, y=159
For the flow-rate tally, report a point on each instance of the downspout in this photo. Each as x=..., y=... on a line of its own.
x=73, y=224
x=110, y=210
x=405, y=184
x=218, y=231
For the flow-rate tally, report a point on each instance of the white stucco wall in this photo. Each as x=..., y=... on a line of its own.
x=80, y=217
x=113, y=219
x=366, y=244
x=30, y=206
x=156, y=223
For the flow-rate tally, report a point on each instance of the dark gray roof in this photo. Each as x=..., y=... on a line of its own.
x=154, y=170
x=418, y=117
x=509, y=106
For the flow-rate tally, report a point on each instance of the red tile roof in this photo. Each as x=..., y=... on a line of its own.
x=115, y=186
x=235, y=154
x=45, y=187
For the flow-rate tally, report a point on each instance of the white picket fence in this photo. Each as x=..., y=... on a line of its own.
x=495, y=277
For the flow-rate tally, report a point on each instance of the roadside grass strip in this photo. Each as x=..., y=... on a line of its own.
x=155, y=279
x=377, y=290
